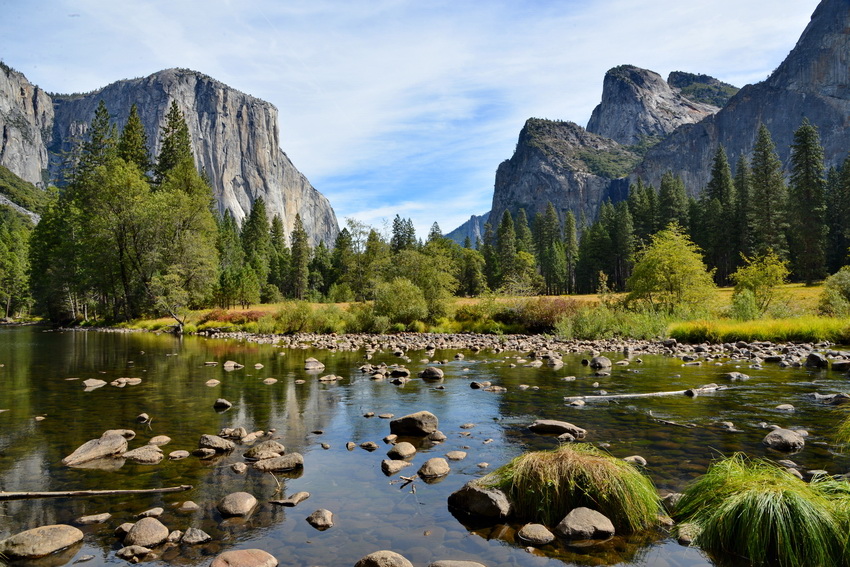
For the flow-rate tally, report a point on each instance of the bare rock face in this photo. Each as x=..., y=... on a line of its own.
x=639, y=104
x=26, y=119
x=812, y=82
x=553, y=161
x=235, y=139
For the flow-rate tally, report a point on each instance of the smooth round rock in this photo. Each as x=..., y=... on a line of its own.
x=40, y=541
x=784, y=440
x=160, y=440
x=383, y=558
x=147, y=532
x=392, y=466
x=237, y=504
x=434, y=468
x=177, y=455
x=536, y=534
x=245, y=558
x=419, y=424
x=321, y=519
x=584, y=523
x=456, y=455
x=401, y=450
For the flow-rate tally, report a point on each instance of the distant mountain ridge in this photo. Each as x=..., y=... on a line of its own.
x=669, y=126
x=235, y=139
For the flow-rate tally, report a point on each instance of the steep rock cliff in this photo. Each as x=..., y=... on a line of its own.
x=234, y=138
x=813, y=82
x=26, y=118
x=472, y=229
x=563, y=163
x=638, y=104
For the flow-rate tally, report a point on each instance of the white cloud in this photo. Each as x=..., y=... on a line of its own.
x=398, y=105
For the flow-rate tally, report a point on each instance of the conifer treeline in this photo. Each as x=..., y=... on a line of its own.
x=745, y=215
x=132, y=236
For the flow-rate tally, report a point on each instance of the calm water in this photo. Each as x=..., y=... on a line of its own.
x=371, y=511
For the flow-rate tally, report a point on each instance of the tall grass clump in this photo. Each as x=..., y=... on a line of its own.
x=755, y=510
x=606, y=322
x=544, y=486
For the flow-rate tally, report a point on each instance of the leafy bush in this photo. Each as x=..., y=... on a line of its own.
x=401, y=301
x=835, y=298
x=362, y=319
x=541, y=314
x=744, y=307
x=605, y=322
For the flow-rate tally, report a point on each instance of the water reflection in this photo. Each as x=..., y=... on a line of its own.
x=677, y=435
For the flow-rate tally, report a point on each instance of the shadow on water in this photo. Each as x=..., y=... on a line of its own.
x=42, y=376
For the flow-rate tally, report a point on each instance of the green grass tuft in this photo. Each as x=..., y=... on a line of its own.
x=755, y=510
x=544, y=486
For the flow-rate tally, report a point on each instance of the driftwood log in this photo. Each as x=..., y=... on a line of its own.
x=692, y=392
x=79, y=493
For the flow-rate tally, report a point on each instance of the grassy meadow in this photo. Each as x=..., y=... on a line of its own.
x=793, y=317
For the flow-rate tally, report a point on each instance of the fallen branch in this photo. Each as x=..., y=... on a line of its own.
x=690, y=392
x=77, y=493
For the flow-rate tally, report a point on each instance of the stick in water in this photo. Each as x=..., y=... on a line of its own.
x=76, y=493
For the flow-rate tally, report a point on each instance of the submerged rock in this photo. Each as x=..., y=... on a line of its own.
x=784, y=440
x=557, y=427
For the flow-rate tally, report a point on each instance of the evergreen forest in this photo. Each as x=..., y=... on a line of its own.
x=129, y=236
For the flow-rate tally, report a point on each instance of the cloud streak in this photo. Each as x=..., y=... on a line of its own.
x=396, y=105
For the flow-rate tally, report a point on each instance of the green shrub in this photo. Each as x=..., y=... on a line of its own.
x=835, y=298
x=401, y=301
x=292, y=317
x=543, y=486
x=341, y=293
x=604, y=322
x=362, y=319
x=755, y=510
x=744, y=307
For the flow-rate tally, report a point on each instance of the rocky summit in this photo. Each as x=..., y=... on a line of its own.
x=235, y=139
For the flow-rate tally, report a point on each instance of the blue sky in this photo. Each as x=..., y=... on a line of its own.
x=397, y=106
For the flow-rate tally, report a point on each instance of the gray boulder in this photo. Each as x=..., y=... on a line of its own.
x=194, y=536
x=784, y=440
x=600, y=362
x=535, y=534
x=434, y=468
x=216, y=443
x=279, y=464
x=110, y=444
x=147, y=532
x=146, y=454
x=475, y=500
x=40, y=541
x=584, y=523
x=244, y=558
x=392, y=466
x=417, y=424
x=321, y=519
x=264, y=450
x=431, y=373
x=383, y=558
x=557, y=427
x=237, y=504
x=402, y=450
x=313, y=364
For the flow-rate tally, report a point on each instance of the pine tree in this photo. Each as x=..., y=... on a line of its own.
x=256, y=241
x=98, y=148
x=524, y=240
x=300, y=269
x=506, y=247
x=279, y=264
x=622, y=243
x=403, y=235
x=710, y=229
x=550, y=253
x=807, y=214
x=491, y=259
x=672, y=201
x=643, y=206
x=133, y=143
x=321, y=270
x=742, y=219
x=768, y=203
x=838, y=216
x=570, y=251
x=175, y=146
